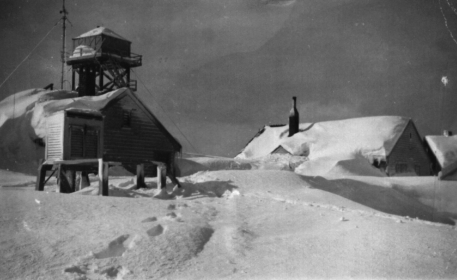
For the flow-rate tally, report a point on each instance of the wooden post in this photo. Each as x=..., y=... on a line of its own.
x=71, y=175
x=82, y=180
x=174, y=180
x=103, y=177
x=72, y=79
x=78, y=181
x=39, y=185
x=85, y=182
x=161, y=176
x=100, y=79
x=140, y=176
x=66, y=180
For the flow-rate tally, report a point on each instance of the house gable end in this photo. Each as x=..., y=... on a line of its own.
x=151, y=116
x=131, y=135
x=408, y=154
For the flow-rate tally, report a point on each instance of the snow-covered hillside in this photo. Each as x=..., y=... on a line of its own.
x=23, y=123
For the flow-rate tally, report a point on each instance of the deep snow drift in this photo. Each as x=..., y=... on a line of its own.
x=238, y=224
x=444, y=148
x=370, y=137
x=21, y=142
x=23, y=123
x=344, y=147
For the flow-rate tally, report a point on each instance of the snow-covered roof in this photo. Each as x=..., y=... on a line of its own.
x=88, y=104
x=444, y=148
x=371, y=137
x=101, y=30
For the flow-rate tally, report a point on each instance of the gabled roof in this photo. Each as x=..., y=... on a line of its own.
x=373, y=137
x=101, y=30
x=444, y=148
x=98, y=103
x=153, y=118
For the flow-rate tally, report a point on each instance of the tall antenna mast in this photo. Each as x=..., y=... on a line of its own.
x=64, y=19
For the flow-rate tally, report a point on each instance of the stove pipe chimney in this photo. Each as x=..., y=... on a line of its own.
x=293, y=118
x=447, y=133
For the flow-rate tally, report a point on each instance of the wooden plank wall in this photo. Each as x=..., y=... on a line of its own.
x=142, y=141
x=54, y=137
x=409, y=150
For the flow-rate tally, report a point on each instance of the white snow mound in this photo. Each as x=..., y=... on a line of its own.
x=371, y=137
x=444, y=148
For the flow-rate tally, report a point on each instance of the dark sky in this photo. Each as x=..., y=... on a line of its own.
x=220, y=70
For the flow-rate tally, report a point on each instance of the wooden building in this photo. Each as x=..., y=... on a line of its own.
x=443, y=153
x=108, y=124
x=407, y=155
x=117, y=129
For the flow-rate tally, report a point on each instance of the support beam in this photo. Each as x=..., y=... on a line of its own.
x=42, y=169
x=72, y=79
x=161, y=176
x=82, y=180
x=67, y=180
x=100, y=78
x=174, y=180
x=140, y=176
x=85, y=182
x=103, y=177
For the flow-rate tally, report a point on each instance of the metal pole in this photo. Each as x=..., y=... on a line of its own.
x=64, y=18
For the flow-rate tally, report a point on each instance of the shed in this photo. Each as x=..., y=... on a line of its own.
x=390, y=143
x=443, y=154
x=116, y=127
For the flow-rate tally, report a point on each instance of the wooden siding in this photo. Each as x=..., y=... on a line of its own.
x=82, y=137
x=408, y=155
x=104, y=44
x=141, y=141
x=54, y=137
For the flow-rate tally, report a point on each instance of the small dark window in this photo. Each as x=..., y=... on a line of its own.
x=126, y=119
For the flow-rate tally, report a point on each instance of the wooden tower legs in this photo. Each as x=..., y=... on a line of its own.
x=161, y=176
x=140, y=176
x=41, y=177
x=103, y=177
x=69, y=171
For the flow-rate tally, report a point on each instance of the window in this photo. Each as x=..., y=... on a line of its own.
x=84, y=141
x=126, y=118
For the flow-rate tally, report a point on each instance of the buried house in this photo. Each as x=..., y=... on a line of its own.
x=390, y=143
x=443, y=153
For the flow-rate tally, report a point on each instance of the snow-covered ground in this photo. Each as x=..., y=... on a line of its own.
x=322, y=211
x=249, y=223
